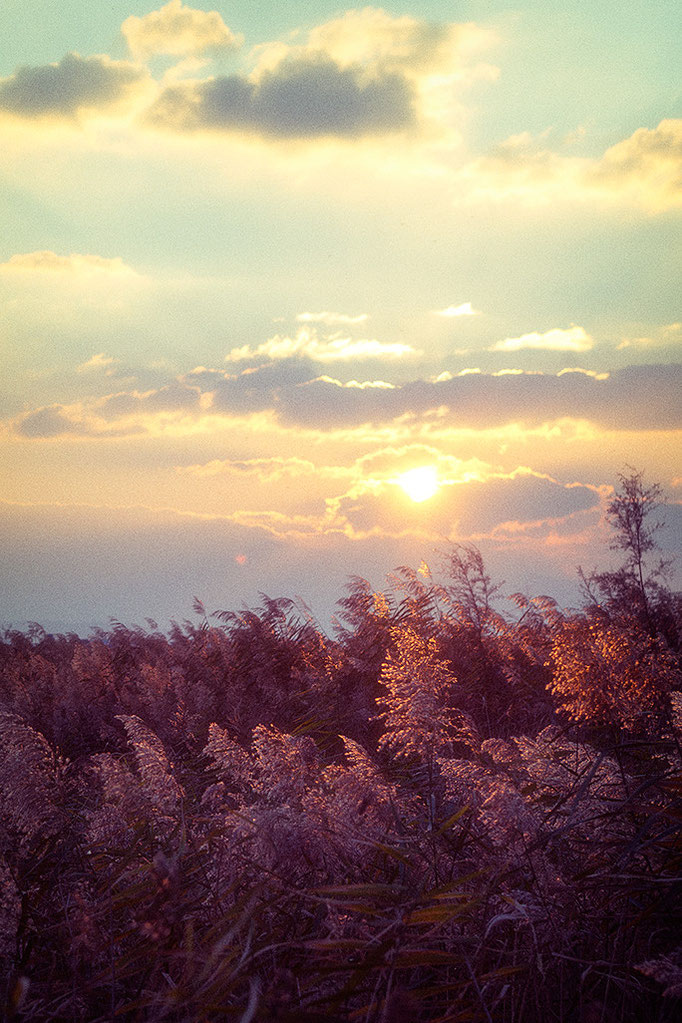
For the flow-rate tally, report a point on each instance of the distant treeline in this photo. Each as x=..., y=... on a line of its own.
x=441, y=813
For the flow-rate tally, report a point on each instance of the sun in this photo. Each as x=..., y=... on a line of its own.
x=421, y=483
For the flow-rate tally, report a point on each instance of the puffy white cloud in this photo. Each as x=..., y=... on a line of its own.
x=361, y=385
x=465, y=309
x=573, y=339
x=308, y=345
x=179, y=31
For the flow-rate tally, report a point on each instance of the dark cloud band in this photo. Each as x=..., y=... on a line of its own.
x=633, y=398
x=300, y=99
x=63, y=89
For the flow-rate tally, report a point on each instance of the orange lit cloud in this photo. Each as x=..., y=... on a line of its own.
x=464, y=510
x=387, y=463
x=76, y=264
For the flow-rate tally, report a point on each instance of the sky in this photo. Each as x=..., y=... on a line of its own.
x=293, y=292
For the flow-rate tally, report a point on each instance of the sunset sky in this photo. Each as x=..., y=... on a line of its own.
x=261, y=260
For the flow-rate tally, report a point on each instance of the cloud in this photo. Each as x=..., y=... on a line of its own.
x=631, y=399
x=523, y=167
x=77, y=264
x=99, y=562
x=330, y=349
x=668, y=335
x=265, y=470
x=493, y=505
x=172, y=398
x=98, y=362
x=179, y=31
x=385, y=464
x=503, y=502
x=574, y=339
x=465, y=309
x=373, y=37
x=363, y=74
x=302, y=98
x=95, y=563
x=255, y=389
x=361, y=385
x=120, y=414
x=646, y=166
x=50, y=421
x=332, y=319
x=74, y=85
x=280, y=524
x=53, y=421
x=642, y=170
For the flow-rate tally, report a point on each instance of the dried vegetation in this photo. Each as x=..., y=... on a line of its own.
x=442, y=814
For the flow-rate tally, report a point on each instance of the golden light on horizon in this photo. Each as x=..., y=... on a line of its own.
x=420, y=484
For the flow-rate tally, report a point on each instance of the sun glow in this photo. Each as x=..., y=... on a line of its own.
x=421, y=483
